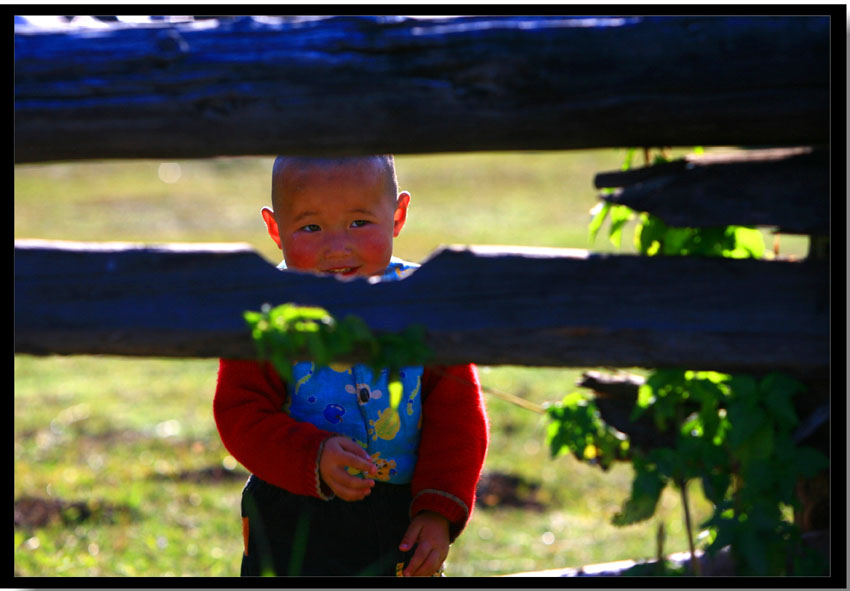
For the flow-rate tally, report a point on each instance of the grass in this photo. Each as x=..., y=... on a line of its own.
x=135, y=438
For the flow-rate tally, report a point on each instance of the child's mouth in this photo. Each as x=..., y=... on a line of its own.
x=345, y=271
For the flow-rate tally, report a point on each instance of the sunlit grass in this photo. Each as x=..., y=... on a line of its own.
x=579, y=499
x=121, y=430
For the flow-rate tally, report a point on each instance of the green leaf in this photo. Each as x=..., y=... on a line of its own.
x=749, y=242
x=715, y=485
x=743, y=386
x=780, y=406
x=760, y=445
x=751, y=547
x=649, y=234
x=667, y=462
x=647, y=487
x=646, y=397
x=556, y=434
x=575, y=426
x=675, y=241
x=282, y=333
x=574, y=399
x=317, y=348
x=627, y=161
x=778, y=390
x=620, y=215
x=809, y=461
x=597, y=220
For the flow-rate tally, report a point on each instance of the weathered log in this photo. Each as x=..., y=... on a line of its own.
x=720, y=564
x=539, y=307
x=786, y=189
x=622, y=386
x=391, y=84
x=615, y=396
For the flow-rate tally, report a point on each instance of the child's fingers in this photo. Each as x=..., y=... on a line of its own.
x=410, y=536
x=350, y=446
x=338, y=455
x=428, y=532
x=350, y=494
x=423, y=548
x=424, y=563
x=356, y=457
x=345, y=479
x=347, y=487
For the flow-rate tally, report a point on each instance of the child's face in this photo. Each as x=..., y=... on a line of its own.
x=339, y=220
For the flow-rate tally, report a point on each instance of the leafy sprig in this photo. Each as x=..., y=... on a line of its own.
x=288, y=333
x=654, y=237
x=575, y=426
x=733, y=433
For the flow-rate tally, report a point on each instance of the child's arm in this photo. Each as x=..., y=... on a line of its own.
x=452, y=446
x=248, y=409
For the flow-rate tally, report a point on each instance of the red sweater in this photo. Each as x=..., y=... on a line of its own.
x=284, y=452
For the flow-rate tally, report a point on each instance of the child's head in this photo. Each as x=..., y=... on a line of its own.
x=336, y=215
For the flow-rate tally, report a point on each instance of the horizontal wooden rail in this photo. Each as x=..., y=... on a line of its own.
x=537, y=307
x=784, y=188
x=405, y=85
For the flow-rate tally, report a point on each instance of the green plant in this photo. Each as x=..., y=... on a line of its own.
x=733, y=433
x=284, y=334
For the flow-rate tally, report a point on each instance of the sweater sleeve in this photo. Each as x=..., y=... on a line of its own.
x=248, y=410
x=452, y=446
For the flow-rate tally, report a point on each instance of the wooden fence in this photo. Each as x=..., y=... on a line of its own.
x=396, y=85
x=473, y=83
x=353, y=85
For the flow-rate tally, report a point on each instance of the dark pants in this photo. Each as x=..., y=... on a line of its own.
x=288, y=534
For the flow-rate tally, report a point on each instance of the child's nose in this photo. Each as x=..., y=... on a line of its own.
x=336, y=243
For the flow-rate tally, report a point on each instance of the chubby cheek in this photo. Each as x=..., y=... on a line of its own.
x=301, y=254
x=374, y=250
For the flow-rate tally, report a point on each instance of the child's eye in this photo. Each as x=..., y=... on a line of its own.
x=310, y=228
x=359, y=223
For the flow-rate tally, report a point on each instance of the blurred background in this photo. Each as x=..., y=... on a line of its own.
x=119, y=470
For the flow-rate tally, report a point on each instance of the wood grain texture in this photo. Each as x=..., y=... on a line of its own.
x=537, y=308
x=354, y=85
x=787, y=189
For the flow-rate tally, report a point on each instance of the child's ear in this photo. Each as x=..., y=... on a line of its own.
x=400, y=215
x=271, y=226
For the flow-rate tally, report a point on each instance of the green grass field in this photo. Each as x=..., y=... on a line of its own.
x=132, y=441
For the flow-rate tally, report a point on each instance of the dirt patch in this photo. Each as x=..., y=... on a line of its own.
x=497, y=489
x=34, y=512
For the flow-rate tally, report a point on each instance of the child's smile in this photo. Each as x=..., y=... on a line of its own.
x=338, y=220
x=343, y=271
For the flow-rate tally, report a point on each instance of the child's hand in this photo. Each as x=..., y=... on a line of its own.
x=338, y=454
x=429, y=532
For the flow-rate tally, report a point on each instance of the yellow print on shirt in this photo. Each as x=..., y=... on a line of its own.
x=386, y=468
x=304, y=379
x=387, y=425
x=288, y=404
x=413, y=395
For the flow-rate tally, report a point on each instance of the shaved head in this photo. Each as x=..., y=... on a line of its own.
x=336, y=215
x=288, y=167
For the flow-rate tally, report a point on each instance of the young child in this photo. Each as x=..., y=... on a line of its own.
x=340, y=484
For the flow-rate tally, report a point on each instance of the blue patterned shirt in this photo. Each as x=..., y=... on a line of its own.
x=352, y=401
